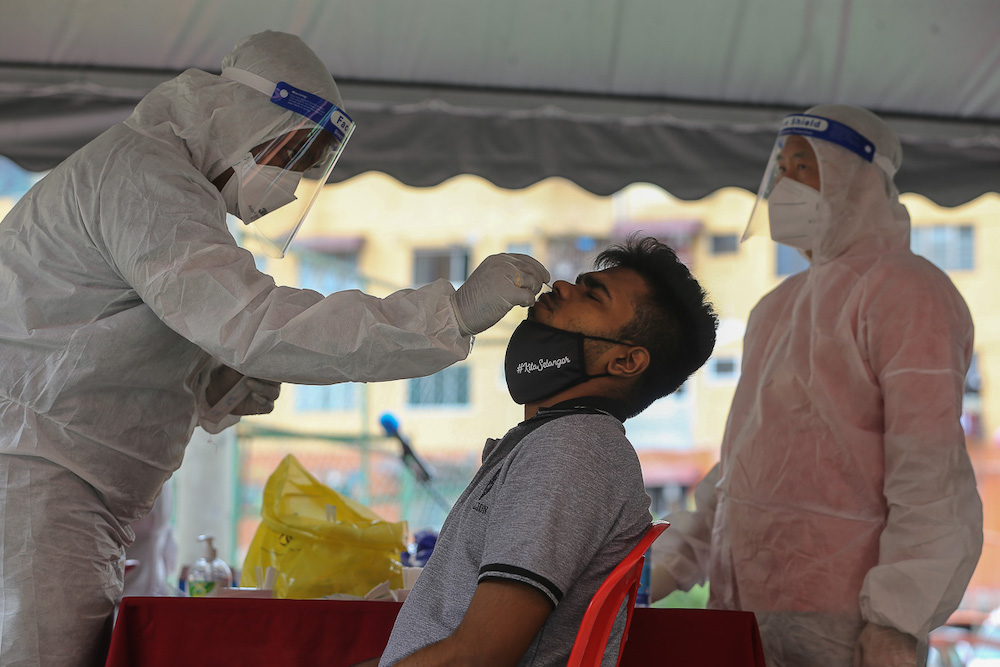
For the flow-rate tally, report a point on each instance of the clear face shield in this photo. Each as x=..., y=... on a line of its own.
x=808, y=175
x=277, y=182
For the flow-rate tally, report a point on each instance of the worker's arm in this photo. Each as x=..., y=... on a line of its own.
x=679, y=557
x=502, y=620
x=178, y=255
x=918, y=335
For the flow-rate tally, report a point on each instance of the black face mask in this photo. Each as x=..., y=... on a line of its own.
x=542, y=361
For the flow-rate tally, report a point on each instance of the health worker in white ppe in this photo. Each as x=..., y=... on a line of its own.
x=127, y=311
x=843, y=510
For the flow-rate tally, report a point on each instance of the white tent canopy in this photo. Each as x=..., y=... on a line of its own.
x=683, y=94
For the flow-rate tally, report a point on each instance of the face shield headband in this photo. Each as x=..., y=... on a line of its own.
x=287, y=172
x=802, y=210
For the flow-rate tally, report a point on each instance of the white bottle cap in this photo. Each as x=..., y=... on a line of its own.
x=210, y=552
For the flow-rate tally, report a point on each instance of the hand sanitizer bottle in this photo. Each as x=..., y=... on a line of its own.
x=209, y=573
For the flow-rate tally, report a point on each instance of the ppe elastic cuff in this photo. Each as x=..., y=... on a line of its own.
x=213, y=427
x=462, y=329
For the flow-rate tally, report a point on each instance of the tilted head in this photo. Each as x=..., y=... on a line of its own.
x=633, y=330
x=674, y=321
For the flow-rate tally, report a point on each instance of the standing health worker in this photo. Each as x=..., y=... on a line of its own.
x=127, y=310
x=843, y=510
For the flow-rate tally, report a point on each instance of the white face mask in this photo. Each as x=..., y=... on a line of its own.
x=797, y=214
x=266, y=188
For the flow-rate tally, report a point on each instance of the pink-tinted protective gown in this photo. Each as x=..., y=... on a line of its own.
x=844, y=493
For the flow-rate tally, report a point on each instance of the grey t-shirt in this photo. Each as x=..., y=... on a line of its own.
x=557, y=510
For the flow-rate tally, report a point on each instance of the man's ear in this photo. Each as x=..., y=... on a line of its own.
x=630, y=362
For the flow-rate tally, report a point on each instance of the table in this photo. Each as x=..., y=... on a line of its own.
x=693, y=638
x=218, y=632
x=215, y=632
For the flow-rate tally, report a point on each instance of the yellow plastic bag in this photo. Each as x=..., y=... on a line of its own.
x=320, y=541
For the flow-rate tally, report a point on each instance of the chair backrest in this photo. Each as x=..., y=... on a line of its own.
x=595, y=629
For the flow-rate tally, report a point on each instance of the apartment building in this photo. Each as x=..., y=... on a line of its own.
x=375, y=234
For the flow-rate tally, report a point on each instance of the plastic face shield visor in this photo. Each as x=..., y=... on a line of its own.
x=790, y=153
x=281, y=178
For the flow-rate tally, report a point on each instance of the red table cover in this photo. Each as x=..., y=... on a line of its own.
x=693, y=638
x=214, y=632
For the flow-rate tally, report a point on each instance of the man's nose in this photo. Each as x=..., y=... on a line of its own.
x=562, y=288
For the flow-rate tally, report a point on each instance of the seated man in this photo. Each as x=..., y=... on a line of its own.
x=559, y=500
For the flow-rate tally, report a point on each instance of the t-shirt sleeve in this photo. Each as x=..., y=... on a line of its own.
x=561, y=498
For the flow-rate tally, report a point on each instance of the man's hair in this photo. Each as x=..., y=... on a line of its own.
x=676, y=324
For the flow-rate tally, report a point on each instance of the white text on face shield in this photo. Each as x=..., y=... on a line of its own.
x=809, y=122
x=541, y=365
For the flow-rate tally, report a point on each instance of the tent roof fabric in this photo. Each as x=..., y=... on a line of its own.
x=604, y=93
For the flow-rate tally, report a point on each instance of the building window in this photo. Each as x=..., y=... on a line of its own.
x=325, y=398
x=448, y=263
x=449, y=387
x=327, y=273
x=789, y=260
x=670, y=497
x=520, y=249
x=950, y=248
x=723, y=369
x=678, y=233
x=725, y=244
x=568, y=257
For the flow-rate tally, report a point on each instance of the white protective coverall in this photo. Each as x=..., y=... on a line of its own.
x=155, y=549
x=844, y=494
x=118, y=281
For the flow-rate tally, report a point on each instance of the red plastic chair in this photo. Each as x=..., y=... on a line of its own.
x=595, y=629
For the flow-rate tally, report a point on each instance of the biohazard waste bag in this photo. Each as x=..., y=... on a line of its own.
x=320, y=541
